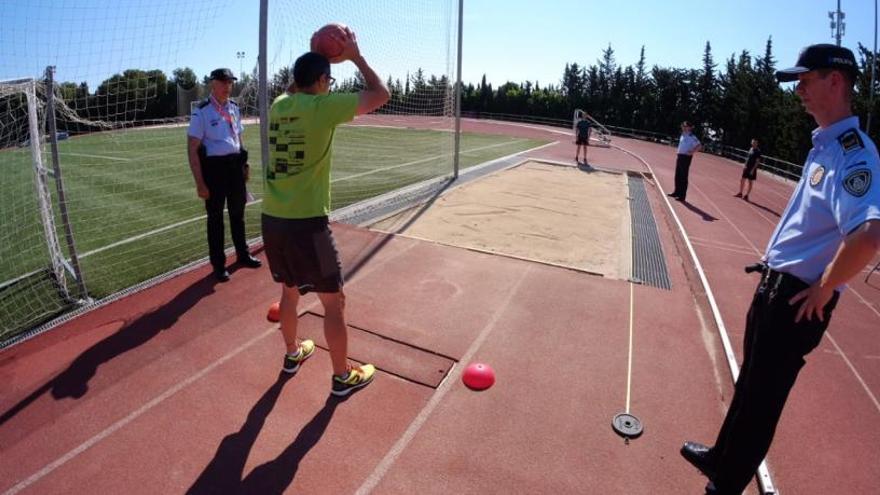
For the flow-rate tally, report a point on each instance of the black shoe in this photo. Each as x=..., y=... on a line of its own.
x=673, y=194
x=249, y=261
x=679, y=198
x=700, y=456
x=221, y=275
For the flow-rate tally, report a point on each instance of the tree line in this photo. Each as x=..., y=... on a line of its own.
x=728, y=105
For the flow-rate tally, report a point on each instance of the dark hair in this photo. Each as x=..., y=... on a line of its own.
x=686, y=124
x=308, y=68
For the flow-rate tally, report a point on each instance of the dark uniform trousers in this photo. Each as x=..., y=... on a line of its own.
x=774, y=347
x=682, y=169
x=224, y=176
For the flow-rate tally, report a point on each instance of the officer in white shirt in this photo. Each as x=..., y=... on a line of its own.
x=688, y=144
x=829, y=232
x=220, y=169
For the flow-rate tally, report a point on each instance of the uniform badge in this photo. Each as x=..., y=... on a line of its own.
x=858, y=182
x=816, y=176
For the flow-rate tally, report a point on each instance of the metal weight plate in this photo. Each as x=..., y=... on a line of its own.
x=627, y=425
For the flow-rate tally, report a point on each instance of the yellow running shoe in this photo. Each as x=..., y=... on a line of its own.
x=292, y=364
x=358, y=376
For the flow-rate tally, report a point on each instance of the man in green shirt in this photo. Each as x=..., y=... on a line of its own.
x=296, y=204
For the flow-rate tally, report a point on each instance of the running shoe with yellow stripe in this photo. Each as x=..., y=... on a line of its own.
x=292, y=364
x=358, y=376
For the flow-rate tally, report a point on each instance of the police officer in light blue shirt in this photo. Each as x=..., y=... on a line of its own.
x=219, y=165
x=688, y=144
x=829, y=232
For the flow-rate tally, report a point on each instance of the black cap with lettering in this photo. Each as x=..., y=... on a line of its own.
x=821, y=56
x=223, y=75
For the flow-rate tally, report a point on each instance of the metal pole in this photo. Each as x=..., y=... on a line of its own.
x=455, y=160
x=44, y=200
x=873, y=69
x=837, y=33
x=263, y=86
x=59, y=182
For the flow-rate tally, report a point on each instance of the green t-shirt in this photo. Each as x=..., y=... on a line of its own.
x=301, y=130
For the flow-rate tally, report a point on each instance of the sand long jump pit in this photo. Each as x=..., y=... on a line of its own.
x=577, y=218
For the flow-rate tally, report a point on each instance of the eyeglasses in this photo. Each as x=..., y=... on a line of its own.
x=331, y=79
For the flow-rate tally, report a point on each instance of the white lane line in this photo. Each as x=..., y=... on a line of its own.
x=855, y=372
x=46, y=470
x=843, y=355
x=451, y=380
x=629, y=359
x=106, y=432
x=764, y=478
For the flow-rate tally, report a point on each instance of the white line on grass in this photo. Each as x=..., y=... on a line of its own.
x=201, y=217
x=67, y=153
x=451, y=380
x=423, y=160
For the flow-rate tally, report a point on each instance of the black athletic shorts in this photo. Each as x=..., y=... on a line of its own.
x=583, y=139
x=751, y=176
x=302, y=253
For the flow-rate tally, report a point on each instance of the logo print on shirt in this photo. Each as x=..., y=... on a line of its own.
x=858, y=182
x=816, y=176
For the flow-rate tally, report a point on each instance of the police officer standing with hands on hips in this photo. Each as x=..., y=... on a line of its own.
x=829, y=232
x=688, y=144
x=220, y=168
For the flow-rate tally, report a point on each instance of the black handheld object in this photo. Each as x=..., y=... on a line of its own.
x=755, y=267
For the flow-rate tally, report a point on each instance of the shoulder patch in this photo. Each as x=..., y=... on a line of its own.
x=850, y=141
x=857, y=182
x=204, y=103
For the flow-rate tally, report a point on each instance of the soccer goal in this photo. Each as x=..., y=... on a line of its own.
x=126, y=77
x=600, y=135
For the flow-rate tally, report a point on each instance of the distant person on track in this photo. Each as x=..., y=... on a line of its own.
x=299, y=243
x=688, y=144
x=829, y=232
x=750, y=171
x=582, y=138
x=219, y=164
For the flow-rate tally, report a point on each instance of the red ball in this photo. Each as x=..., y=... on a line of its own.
x=274, y=312
x=478, y=376
x=330, y=40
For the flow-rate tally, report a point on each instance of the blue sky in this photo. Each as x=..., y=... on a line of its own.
x=510, y=40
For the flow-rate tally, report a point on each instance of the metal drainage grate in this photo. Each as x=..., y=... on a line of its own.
x=649, y=263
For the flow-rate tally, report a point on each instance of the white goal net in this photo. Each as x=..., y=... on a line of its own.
x=126, y=75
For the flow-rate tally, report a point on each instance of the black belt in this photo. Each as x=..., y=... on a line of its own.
x=776, y=281
x=231, y=159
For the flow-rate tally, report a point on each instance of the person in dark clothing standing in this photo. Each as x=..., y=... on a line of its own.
x=829, y=232
x=750, y=171
x=219, y=165
x=688, y=144
x=582, y=138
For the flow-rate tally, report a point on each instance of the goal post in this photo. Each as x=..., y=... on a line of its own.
x=598, y=132
x=128, y=196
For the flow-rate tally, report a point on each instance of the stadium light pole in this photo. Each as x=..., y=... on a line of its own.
x=240, y=57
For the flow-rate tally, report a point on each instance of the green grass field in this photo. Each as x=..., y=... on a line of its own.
x=135, y=214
